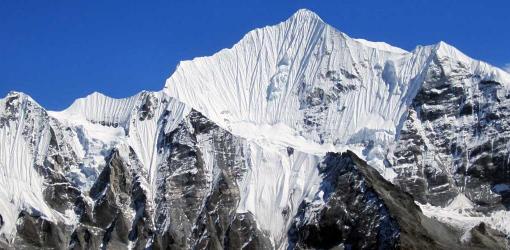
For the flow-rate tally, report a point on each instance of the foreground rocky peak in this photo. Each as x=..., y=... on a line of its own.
x=242, y=150
x=356, y=208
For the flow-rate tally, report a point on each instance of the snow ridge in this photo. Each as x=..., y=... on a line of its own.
x=134, y=121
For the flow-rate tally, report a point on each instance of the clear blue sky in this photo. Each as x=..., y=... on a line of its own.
x=57, y=51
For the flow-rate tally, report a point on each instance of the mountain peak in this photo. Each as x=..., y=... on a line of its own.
x=16, y=94
x=20, y=96
x=305, y=13
x=444, y=48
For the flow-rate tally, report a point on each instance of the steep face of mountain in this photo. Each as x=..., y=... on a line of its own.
x=117, y=209
x=455, y=137
x=356, y=208
x=100, y=122
x=307, y=77
x=35, y=147
x=241, y=150
x=201, y=179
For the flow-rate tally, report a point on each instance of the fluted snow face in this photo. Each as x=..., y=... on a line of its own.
x=275, y=185
x=102, y=122
x=452, y=58
x=305, y=79
x=24, y=142
x=306, y=75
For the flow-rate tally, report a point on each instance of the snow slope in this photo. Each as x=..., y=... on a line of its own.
x=24, y=136
x=264, y=78
x=275, y=186
x=102, y=122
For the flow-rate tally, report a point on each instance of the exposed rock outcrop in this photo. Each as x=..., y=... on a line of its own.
x=356, y=208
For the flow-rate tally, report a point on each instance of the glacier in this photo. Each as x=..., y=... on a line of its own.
x=289, y=94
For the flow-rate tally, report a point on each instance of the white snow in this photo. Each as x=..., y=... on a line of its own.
x=257, y=83
x=102, y=122
x=381, y=46
x=21, y=185
x=92, y=142
x=486, y=71
x=277, y=182
x=280, y=136
x=460, y=214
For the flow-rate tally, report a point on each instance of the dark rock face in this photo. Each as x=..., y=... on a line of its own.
x=243, y=233
x=107, y=221
x=148, y=106
x=455, y=138
x=418, y=171
x=316, y=101
x=36, y=231
x=118, y=206
x=352, y=214
x=482, y=236
x=358, y=209
x=203, y=201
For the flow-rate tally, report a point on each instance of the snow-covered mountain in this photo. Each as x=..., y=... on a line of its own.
x=298, y=136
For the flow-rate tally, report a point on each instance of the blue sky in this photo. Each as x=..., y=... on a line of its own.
x=57, y=51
